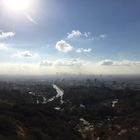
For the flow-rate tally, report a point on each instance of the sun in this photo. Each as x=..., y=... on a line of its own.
x=17, y=5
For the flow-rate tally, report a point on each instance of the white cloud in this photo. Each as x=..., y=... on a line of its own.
x=63, y=46
x=99, y=37
x=102, y=36
x=106, y=62
x=78, y=34
x=63, y=63
x=109, y=62
x=23, y=54
x=74, y=34
x=87, y=34
x=80, y=50
x=4, y=35
x=3, y=46
x=87, y=50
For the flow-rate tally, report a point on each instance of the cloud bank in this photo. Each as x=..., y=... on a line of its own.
x=108, y=62
x=63, y=62
x=23, y=54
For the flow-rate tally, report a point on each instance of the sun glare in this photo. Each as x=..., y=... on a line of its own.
x=17, y=5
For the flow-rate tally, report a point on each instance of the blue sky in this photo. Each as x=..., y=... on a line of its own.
x=70, y=36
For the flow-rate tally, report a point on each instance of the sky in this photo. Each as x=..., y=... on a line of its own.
x=39, y=37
